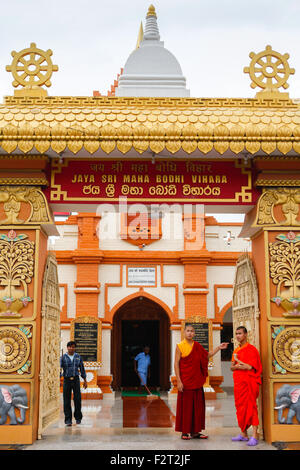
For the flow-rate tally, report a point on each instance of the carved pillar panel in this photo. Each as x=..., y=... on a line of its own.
x=275, y=230
x=49, y=406
x=245, y=311
x=25, y=222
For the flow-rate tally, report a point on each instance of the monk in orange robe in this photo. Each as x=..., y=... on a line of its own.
x=247, y=370
x=191, y=369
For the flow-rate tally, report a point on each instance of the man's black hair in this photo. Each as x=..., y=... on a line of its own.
x=242, y=328
x=71, y=343
x=188, y=324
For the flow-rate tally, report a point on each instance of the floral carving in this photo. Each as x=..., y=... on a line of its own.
x=285, y=272
x=286, y=349
x=14, y=349
x=16, y=272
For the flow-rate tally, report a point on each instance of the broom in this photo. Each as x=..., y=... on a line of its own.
x=150, y=395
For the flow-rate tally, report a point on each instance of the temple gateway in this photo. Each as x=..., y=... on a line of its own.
x=111, y=231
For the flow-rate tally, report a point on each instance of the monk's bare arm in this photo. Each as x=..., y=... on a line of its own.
x=217, y=349
x=176, y=368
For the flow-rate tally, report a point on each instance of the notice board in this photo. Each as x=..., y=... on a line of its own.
x=87, y=333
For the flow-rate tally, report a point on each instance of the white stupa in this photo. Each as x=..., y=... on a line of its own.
x=152, y=70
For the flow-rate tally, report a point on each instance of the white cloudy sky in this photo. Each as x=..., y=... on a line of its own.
x=91, y=40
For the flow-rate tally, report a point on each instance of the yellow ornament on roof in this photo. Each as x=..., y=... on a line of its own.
x=31, y=68
x=151, y=11
x=269, y=70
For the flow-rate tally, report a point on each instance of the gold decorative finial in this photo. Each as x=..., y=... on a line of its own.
x=31, y=68
x=140, y=36
x=269, y=70
x=151, y=11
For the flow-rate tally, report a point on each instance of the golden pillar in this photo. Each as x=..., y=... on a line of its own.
x=274, y=226
x=25, y=223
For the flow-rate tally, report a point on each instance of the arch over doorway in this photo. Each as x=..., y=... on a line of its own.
x=138, y=322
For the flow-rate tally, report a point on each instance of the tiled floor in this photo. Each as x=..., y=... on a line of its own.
x=103, y=428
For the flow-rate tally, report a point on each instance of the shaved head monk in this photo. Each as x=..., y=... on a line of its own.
x=191, y=369
x=247, y=369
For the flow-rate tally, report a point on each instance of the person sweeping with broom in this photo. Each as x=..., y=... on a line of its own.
x=142, y=364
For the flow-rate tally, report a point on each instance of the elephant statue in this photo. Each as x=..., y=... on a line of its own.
x=12, y=397
x=288, y=396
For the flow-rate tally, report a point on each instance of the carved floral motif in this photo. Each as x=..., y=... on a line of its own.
x=286, y=349
x=16, y=272
x=14, y=349
x=285, y=272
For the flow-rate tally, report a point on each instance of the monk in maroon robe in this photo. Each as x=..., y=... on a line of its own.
x=191, y=369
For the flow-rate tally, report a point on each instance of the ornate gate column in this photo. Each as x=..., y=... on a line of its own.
x=25, y=223
x=274, y=227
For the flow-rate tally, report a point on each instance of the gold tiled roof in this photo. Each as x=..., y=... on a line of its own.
x=156, y=123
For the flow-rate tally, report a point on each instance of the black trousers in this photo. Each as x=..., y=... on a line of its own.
x=69, y=386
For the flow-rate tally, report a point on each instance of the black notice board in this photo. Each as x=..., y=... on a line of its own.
x=86, y=338
x=202, y=333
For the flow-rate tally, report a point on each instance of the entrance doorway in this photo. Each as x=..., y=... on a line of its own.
x=136, y=335
x=138, y=323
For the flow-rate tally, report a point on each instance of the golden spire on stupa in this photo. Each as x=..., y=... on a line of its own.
x=151, y=11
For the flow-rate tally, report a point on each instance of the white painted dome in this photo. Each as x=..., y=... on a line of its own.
x=152, y=60
x=152, y=70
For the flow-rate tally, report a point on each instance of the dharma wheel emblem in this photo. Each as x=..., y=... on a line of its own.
x=269, y=70
x=32, y=67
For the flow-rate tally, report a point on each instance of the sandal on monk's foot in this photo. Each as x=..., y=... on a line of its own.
x=239, y=438
x=252, y=441
x=185, y=437
x=199, y=435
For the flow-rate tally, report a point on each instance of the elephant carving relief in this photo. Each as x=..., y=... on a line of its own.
x=288, y=396
x=11, y=398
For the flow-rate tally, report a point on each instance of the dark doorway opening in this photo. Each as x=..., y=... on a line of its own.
x=136, y=335
x=140, y=322
x=226, y=337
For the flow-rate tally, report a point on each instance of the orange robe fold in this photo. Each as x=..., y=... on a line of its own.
x=246, y=386
x=193, y=369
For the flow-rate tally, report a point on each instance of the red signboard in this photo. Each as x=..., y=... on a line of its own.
x=176, y=181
